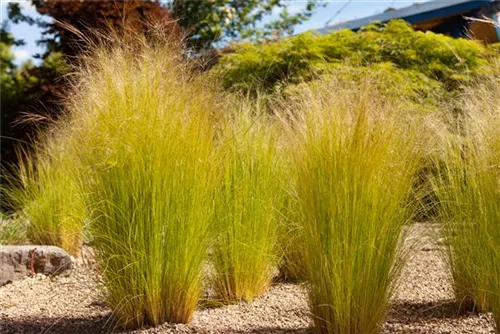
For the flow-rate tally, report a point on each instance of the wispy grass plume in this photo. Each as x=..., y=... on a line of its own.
x=247, y=205
x=468, y=186
x=292, y=266
x=46, y=192
x=459, y=198
x=143, y=129
x=356, y=160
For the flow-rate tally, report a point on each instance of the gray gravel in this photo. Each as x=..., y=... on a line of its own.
x=423, y=303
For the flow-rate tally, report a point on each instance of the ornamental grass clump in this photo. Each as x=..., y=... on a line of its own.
x=291, y=264
x=292, y=267
x=248, y=204
x=142, y=125
x=356, y=158
x=46, y=193
x=459, y=197
x=468, y=187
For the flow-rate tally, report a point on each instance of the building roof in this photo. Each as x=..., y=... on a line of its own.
x=415, y=13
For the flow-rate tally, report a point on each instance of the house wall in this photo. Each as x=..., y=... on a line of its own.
x=484, y=31
x=463, y=26
x=455, y=26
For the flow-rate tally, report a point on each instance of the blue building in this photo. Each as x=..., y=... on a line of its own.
x=478, y=19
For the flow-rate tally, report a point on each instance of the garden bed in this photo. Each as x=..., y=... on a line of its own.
x=423, y=303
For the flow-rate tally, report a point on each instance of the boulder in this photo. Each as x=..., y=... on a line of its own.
x=18, y=262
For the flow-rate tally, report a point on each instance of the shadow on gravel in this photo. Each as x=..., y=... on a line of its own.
x=400, y=312
x=276, y=330
x=101, y=324
x=96, y=324
x=409, y=312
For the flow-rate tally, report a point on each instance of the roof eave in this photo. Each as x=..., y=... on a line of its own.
x=413, y=14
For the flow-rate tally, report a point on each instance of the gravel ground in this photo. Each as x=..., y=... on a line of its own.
x=423, y=303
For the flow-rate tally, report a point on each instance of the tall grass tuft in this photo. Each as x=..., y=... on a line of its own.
x=468, y=187
x=356, y=160
x=248, y=204
x=46, y=192
x=142, y=125
x=459, y=194
x=292, y=266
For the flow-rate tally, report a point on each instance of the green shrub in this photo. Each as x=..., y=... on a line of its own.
x=494, y=50
x=247, y=205
x=356, y=160
x=428, y=57
x=414, y=88
x=143, y=129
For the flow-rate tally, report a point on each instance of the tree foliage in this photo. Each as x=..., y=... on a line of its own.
x=205, y=24
x=14, y=83
x=88, y=16
x=209, y=23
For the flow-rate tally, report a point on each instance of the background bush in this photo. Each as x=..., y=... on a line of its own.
x=431, y=63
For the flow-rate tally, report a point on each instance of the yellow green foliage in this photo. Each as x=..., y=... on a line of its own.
x=417, y=89
x=427, y=60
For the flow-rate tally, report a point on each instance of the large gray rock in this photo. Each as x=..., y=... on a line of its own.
x=18, y=262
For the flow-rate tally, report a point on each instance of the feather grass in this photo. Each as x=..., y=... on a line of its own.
x=46, y=192
x=468, y=186
x=143, y=129
x=248, y=204
x=356, y=162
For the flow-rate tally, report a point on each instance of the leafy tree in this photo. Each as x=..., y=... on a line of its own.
x=7, y=66
x=212, y=22
x=15, y=84
x=88, y=15
x=26, y=89
x=205, y=23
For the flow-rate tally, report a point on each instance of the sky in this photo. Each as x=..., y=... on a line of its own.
x=339, y=10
